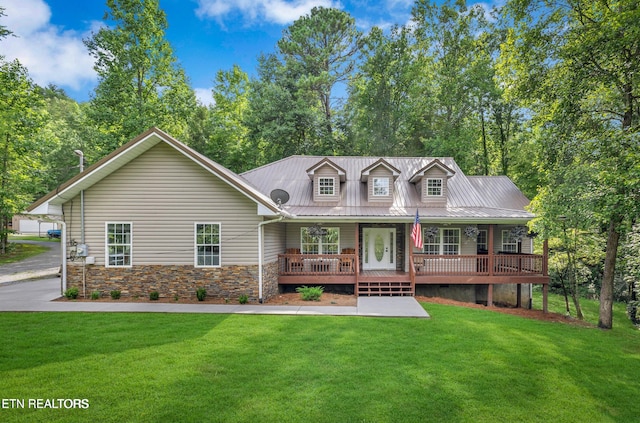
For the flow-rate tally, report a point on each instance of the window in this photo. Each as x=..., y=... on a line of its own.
x=207, y=240
x=118, y=239
x=445, y=242
x=323, y=244
x=434, y=187
x=483, y=243
x=326, y=186
x=509, y=245
x=380, y=187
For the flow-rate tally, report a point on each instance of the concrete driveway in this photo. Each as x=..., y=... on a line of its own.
x=42, y=265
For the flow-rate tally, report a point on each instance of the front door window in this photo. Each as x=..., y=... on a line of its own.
x=379, y=248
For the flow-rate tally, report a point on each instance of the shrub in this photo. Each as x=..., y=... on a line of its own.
x=95, y=295
x=71, y=293
x=243, y=299
x=310, y=293
x=201, y=293
x=154, y=295
x=115, y=294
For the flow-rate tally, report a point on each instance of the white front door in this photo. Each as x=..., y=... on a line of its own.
x=379, y=248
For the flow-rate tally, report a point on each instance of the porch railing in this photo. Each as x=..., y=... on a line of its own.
x=479, y=265
x=316, y=264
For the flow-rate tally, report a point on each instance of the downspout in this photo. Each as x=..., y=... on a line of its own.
x=261, y=252
x=63, y=275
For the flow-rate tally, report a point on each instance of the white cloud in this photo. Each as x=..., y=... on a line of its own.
x=271, y=11
x=51, y=54
x=204, y=96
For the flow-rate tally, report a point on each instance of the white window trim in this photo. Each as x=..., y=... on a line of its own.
x=502, y=243
x=426, y=187
x=320, y=244
x=441, y=241
x=486, y=236
x=195, y=245
x=106, y=244
x=325, y=179
x=386, y=186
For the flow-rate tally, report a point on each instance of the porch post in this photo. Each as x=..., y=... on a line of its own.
x=545, y=299
x=545, y=258
x=490, y=295
x=490, y=248
x=357, y=244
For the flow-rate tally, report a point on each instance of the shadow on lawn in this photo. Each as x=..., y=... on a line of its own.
x=35, y=339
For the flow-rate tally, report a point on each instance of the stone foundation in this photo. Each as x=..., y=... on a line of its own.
x=176, y=280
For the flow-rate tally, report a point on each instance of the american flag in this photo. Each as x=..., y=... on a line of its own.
x=416, y=232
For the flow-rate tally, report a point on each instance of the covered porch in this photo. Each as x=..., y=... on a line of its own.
x=414, y=268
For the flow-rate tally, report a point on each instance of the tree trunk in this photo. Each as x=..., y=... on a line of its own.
x=605, y=319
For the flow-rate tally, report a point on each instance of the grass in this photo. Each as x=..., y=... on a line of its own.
x=18, y=252
x=43, y=238
x=462, y=365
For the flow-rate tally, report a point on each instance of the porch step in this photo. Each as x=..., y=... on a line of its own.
x=388, y=289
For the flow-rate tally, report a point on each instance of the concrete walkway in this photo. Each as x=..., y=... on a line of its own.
x=38, y=295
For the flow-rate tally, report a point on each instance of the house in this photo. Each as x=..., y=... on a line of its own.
x=155, y=215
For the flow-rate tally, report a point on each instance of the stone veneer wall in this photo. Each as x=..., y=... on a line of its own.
x=171, y=280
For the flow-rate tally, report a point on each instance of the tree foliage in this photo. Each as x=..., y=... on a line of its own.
x=21, y=116
x=571, y=65
x=140, y=84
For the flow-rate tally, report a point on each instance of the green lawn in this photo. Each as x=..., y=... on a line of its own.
x=462, y=365
x=19, y=252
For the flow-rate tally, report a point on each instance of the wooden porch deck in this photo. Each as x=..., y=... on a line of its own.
x=330, y=269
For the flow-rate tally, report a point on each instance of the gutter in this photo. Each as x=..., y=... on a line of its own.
x=261, y=252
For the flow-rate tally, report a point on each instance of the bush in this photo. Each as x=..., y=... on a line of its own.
x=115, y=294
x=310, y=293
x=201, y=293
x=71, y=293
x=95, y=295
x=154, y=295
x=243, y=299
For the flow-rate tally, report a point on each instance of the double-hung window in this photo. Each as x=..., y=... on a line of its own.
x=326, y=186
x=509, y=244
x=207, y=244
x=445, y=242
x=434, y=187
x=328, y=243
x=380, y=187
x=118, y=244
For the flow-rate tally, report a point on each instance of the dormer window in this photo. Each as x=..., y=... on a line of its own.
x=431, y=183
x=326, y=178
x=326, y=186
x=434, y=187
x=380, y=187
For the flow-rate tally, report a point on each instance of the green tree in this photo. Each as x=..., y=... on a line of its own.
x=573, y=65
x=387, y=96
x=281, y=119
x=21, y=116
x=4, y=31
x=140, y=83
x=448, y=33
x=321, y=49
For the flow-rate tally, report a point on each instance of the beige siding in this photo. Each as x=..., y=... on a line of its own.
x=326, y=171
x=163, y=194
x=274, y=241
x=431, y=201
x=380, y=172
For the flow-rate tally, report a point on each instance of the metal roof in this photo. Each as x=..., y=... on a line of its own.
x=470, y=198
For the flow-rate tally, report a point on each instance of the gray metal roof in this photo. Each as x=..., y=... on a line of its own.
x=470, y=199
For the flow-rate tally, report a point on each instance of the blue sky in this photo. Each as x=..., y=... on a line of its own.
x=206, y=35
